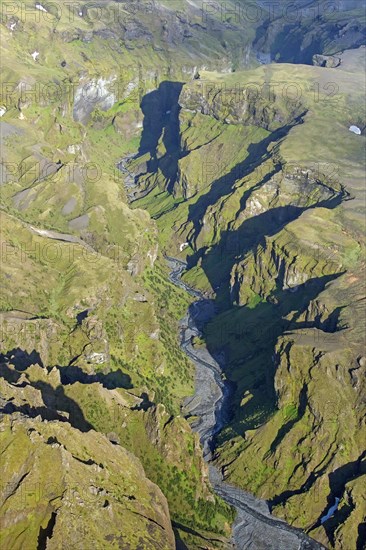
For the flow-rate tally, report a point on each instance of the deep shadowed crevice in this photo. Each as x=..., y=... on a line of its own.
x=338, y=480
x=342, y=475
x=81, y=316
x=88, y=462
x=361, y=539
x=46, y=533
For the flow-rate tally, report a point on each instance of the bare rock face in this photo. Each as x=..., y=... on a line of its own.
x=93, y=93
x=330, y=61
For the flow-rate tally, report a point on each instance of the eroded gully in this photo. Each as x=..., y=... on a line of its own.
x=254, y=528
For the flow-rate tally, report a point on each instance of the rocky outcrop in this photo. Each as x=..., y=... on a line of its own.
x=92, y=94
x=94, y=404
x=331, y=61
x=251, y=103
x=56, y=472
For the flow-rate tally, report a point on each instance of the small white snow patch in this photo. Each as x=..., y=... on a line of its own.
x=183, y=246
x=355, y=130
x=2, y=111
x=41, y=8
x=35, y=55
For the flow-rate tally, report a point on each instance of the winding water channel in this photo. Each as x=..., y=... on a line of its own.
x=254, y=528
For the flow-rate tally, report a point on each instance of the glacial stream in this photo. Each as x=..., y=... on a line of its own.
x=254, y=528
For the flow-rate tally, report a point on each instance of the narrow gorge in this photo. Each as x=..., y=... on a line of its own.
x=254, y=525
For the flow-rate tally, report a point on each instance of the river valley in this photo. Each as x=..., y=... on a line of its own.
x=182, y=359
x=254, y=527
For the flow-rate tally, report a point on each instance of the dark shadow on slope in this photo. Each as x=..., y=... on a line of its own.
x=179, y=544
x=112, y=380
x=305, y=487
x=218, y=262
x=361, y=539
x=161, y=121
x=21, y=359
x=285, y=429
x=55, y=401
x=145, y=403
x=191, y=531
x=32, y=412
x=10, y=375
x=330, y=325
x=257, y=154
x=346, y=473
